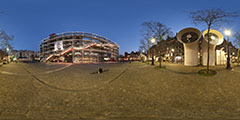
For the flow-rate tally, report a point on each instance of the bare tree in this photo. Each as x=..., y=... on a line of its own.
x=237, y=42
x=211, y=17
x=5, y=41
x=153, y=30
x=145, y=44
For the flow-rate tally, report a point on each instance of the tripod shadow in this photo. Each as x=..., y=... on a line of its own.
x=100, y=71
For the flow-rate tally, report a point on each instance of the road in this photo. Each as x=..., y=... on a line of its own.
x=131, y=91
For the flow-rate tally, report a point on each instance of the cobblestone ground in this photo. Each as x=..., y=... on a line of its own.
x=135, y=91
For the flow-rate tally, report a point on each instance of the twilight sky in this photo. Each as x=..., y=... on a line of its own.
x=30, y=21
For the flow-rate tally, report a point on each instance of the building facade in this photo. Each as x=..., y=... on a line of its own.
x=29, y=54
x=3, y=54
x=172, y=50
x=223, y=49
x=132, y=56
x=78, y=47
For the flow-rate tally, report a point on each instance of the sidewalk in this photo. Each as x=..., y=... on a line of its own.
x=181, y=69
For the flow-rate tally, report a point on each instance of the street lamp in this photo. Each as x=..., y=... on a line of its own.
x=173, y=55
x=7, y=49
x=228, y=33
x=153, y=40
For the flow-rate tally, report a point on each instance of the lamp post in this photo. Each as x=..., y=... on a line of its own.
x=173, y=60
x=153, y=40
x=228, y=33
x=7, y=49
x=142, y=58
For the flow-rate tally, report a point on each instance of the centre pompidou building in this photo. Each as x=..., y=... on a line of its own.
x=78, y=47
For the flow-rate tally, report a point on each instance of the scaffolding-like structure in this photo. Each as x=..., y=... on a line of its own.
x=78, y=47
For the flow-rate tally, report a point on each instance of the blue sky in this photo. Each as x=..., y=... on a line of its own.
x=119, y=20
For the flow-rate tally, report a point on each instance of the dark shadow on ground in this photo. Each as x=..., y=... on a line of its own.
x=99, y=73
x=29, y=61
x=181, y=72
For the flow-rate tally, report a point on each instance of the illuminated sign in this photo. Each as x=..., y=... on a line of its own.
x=52, y=35
x=58, y=46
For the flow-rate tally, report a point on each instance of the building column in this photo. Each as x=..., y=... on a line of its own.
x=82, y=55
x=73, y=55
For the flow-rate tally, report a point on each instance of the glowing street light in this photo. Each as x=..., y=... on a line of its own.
x=172, y=54
x=153, y=40
x=228, y=33
x=7, y=49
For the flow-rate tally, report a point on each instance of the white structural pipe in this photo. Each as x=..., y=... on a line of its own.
x=190, y=39
x=191, y=54
x=216, y=38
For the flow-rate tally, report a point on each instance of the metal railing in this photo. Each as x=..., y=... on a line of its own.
x=80, y=34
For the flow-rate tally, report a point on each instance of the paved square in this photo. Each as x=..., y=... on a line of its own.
x=129, y=91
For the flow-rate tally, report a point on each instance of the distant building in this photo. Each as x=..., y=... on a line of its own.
x=170, y=50
x=121, y=58
x=223, y=49
x=37, y=55
x=131, y=56
x=2, y=54
x=28, y=54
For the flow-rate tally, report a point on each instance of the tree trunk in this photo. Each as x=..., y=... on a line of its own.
x=152, y=57
x=238, y=56
x=160, y=61
x=160, y=58
x=208, y=56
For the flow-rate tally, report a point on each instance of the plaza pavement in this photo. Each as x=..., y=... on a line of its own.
x=128, y=91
